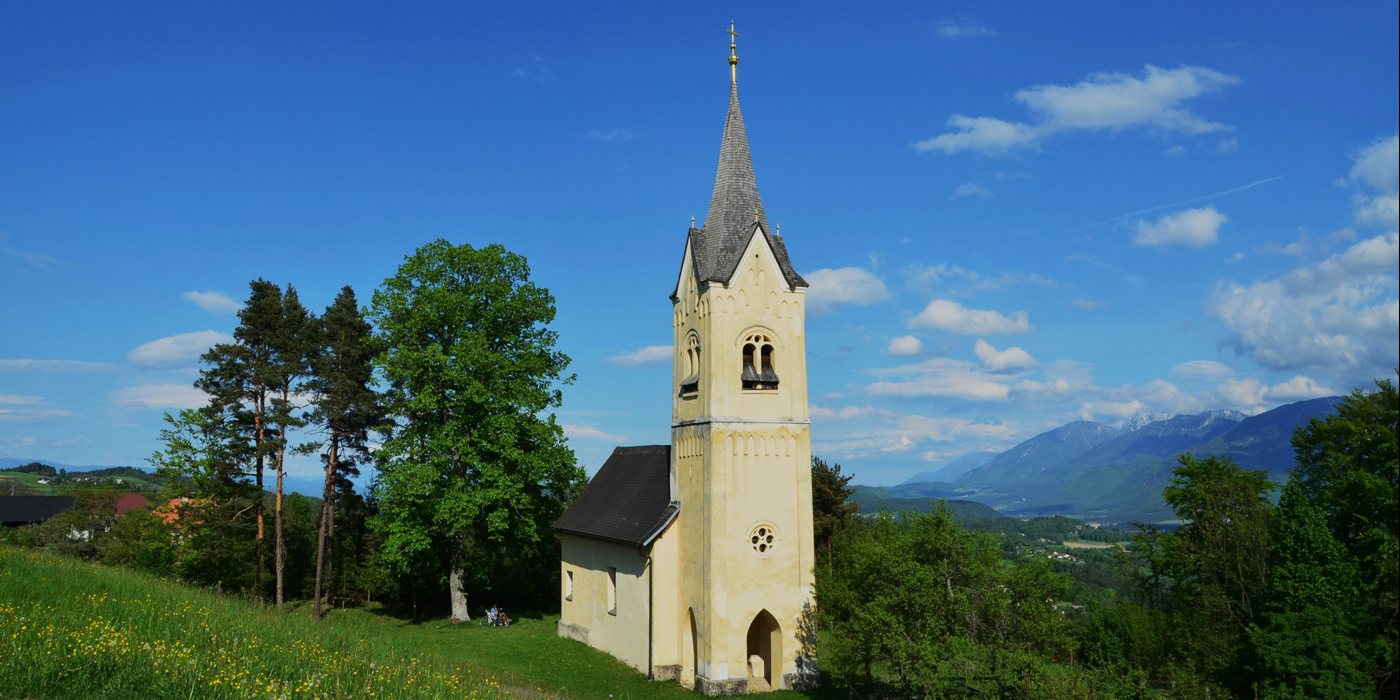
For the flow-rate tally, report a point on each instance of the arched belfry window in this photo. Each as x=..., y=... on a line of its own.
x=690, y=379
x=759, y=362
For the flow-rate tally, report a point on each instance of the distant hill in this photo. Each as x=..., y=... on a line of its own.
x=136, y=478
x=873, y=499
x=1120, y=477
x=954, y=468
x=1039, y=457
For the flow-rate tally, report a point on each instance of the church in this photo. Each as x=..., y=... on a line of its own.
x=693, y=560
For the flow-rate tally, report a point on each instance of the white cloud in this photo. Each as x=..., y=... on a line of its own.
x=1376, y=168
x=974, y=190
x=1110, y=410
x=1102, y=101
x=950, y=29
x=1377, y=165
x=611, y=136
x=1299, y=388
x=63, y=366
x=905, y=345
x=1253, y=396
x=1227, y=146
x=19, y=399
x=33, y=415
x=1087, y=304
x=1202, y=369
x=176, y=349
x=962, y=281
x=941, y=376
x=159, y=396
x=1339, y=317
x=216, y=302
x=1012, y=359
x=844, y=285
x=980, y=134
x=649, y=355
x=905, y=433
x=1194, y=228
x=588, y=432
x=948, y=315
x=844, y=413
x=36, y=262
x=1174, y=151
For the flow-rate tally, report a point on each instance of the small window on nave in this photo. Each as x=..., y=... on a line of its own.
x=758, y=373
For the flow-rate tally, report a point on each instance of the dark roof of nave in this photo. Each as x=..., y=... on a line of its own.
x=735, y=209
x=627, y=500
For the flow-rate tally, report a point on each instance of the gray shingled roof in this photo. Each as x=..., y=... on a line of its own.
x=729, y=224
x=23, y=510
x=627, y=501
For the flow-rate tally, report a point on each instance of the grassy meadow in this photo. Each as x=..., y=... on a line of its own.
x=70, y=629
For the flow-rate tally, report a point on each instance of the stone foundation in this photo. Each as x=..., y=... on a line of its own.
x=665, y=673
x=578, y=633
x=733, y=686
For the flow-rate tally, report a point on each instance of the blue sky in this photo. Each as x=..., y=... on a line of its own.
x=1012, y=215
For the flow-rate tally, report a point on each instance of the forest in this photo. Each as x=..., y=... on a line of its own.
x=446, y=382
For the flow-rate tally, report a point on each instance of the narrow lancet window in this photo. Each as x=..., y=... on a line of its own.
x=690, y=380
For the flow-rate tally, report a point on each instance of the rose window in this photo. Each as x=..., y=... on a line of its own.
x=763, y=538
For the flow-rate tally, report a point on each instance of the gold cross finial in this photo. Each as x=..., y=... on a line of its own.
x=692, y=222
x=733, y=54
x=755, y=216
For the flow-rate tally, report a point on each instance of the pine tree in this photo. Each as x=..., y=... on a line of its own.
x=830, y=491
x=345, y=407
x=294, y=346
x=238, y=377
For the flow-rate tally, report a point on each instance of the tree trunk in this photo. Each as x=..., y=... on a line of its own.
x=321, y=538
x=279, y=545
x=259, y=401
x=456, y=583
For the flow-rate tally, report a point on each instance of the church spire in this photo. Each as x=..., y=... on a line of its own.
x=733, y=55
x=735, y=207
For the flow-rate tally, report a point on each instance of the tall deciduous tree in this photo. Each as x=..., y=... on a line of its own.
x=1306, y=644
x=345, y=406
x=204, y=463
x=1349, y=468
x=1215, y=567
x=930, y=607
x=475, y=465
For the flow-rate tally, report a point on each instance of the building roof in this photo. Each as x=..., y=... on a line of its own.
x=628, y=501
x=129, y=502
x=735, y=209
x=22, y=510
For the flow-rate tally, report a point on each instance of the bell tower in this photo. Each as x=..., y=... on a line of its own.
x=741, y=445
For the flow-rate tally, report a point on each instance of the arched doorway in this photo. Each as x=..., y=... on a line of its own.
x=765, y=649
x=689, y=655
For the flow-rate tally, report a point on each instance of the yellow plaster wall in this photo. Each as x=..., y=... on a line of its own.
x=740, y=458
x=586, y=617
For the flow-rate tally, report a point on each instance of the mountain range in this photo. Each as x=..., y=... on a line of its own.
x=1100, y=472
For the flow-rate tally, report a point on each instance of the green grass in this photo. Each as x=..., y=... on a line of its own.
x=27, y=483
x=70, y=629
